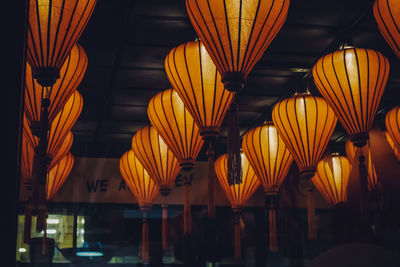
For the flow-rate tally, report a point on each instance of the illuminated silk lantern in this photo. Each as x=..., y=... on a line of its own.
x=168, y=115
x=387, y=15
x=161, y=164
x=59, y=135
x=71, y=75
x=194, y=76
x=392, y=122
x=305, y=123
x=271, y=161
x=63, y=149
x=54, y=27
x=237, y=194
x=58, y=174
x=236, y=33
x=144, y=190
x=352, y=81
x=351, y=153
x=332, y=177
x=392, y=145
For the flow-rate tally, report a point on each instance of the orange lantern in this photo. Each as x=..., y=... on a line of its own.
x=168, y=115
x=392, y=123
x=27, y=155
x=237, y=194
x=387, y=15
x=194, y=76
x=392, y=145
x=159, y=162
x=173, y=122
x=332, y=177
x=271, y=160
x=71, y=75
x=351, y=153
x=60, y=127
x=305, y=123
x=58, y=174
x=236, y=33
x=53, y=29
x=352, y=81
x=63, y=149
x=143, y=188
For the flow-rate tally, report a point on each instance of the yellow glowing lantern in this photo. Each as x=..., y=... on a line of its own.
x=58, y=174
x=237, y=194
x=143, y=188
x=271, y=160
x=387, y=15
x=392, y=145
x=53, y=29
x=331, y=178
x=305, y=123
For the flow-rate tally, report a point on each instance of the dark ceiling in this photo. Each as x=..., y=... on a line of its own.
x=127, y=41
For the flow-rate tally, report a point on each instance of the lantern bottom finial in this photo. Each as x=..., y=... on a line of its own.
x=187, y=164
x=307, y=173
x=164, y=191
x=359, y=140
x=46, y=76
x=233, y=81
x=209, y=133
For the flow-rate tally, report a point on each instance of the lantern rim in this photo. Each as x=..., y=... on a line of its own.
x=209, y=133
x=187, y=164
x=233, y=81
x=46, y=76
x=307, y=172
x=164, y=190
x=360, y=139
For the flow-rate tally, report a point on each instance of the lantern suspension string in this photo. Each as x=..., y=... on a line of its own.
x=211, y=178
x=363, y=187
x=165, y=224
x=238, y=249
x=233, y=146
x=145, y=236
x=271, y=204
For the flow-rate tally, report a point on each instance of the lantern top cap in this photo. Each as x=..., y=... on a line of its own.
x=268, y=123
x=306, y=93
x=335, y=154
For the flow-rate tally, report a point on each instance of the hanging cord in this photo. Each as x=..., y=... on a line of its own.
x=44, y=238
x=312, y=227
x=363, y=176
x=28, y=223
x=145, y=237
x=211, y=178
x=271, y=203
x=233, y=146
x=237, y=244
x=165, y=225
x=187, y=213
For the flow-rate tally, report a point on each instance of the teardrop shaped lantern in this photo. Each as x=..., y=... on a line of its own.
x=168, y=115
x=305, y=123
x=172, y=120
x=270, y=160
x=143, y=188
x=352, y=152
x=194, y=76
x=27, y=156
x=387, y=15
x=53, y=29
x=71, y=75
x=331, y=178
x=237, y=194
x=352, y=81
x=392, y=122
x=63, y=149
x=392, y=145
x=236, y=33
x=159, y=162
x=61, y=125
x=58, y=174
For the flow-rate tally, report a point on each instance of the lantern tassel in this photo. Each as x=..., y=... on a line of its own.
x=238, y=249
x=145, y=238
x=28, y=223
x=211, y=175
x=273, y=235
x=363, y=188
x=187, y=213
x=312, y=229
x=44, y=238
x=233, y=147
x=164, y=226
